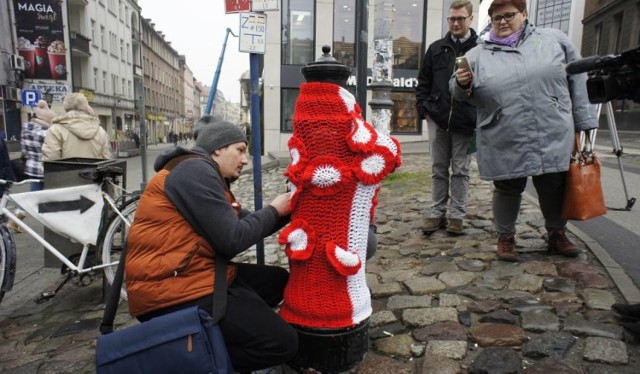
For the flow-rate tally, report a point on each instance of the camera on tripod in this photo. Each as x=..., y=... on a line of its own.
x=610, y=77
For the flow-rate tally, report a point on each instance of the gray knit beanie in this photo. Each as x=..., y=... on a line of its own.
x=206, y=120
x=219, y=135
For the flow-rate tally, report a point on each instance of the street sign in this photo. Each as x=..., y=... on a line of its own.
x=262, y=5
x=237, y=6
x=253, y=31
x=30, y=97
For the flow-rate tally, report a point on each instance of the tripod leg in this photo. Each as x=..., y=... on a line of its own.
x=618, y=151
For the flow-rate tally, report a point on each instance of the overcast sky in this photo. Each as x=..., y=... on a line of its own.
x=196, y=29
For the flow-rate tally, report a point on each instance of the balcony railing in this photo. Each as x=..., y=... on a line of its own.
x=80, y=44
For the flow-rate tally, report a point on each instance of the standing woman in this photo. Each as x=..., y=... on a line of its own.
x=528, y=111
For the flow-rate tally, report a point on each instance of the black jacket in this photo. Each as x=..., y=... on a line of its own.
x=432, y=93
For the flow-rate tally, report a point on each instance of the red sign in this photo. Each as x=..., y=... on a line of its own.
x=237, y=6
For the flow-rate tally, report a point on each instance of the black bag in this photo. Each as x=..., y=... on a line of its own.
x=18, y=164
x=185, y=341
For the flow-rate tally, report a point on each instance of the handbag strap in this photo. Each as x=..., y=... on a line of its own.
x=219, y=308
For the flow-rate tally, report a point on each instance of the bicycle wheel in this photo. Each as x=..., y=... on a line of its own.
x=7, y=260
x=114, y=236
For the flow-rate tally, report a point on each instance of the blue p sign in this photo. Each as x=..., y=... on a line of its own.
x=30, y=97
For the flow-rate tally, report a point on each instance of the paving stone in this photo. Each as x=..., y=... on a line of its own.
x=589, y=280
x=571, y=269
x=447, y=348
x=447, y=299
x=424, y=285
x=374, y=363
x=397, y=346
x=499, y=316
x=496, y=360
x=608, y=351
x=559, y=285
x=552, y=366
x=385, y=290
x=512, y=296
x=498, y=334
x=560, y=297
x=438, y=365
x=493, y=284
x=482, y=256
x=526, y=282
x=576, y=324
x=484, y=306
x=503, y=270
x=549, y=344
x=540, y=268
x=472, y=265
x=437, y=268
x=602, y=316
x=429, y=316
x=408, y=301
x=396, y=276
x=457, y=278
x=386, y=331
x=566, y=309
x=477, y=293
x=596, y=368
x=539, y=320
x=382, y=318
x=527, y=305
x=465, y=317
x=598, y=299
x=441, y=331
x=531, y=245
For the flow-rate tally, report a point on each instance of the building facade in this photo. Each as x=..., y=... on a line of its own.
x=612, y=27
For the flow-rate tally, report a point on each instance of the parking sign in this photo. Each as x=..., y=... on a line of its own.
x=253, y=30
x=30, y=97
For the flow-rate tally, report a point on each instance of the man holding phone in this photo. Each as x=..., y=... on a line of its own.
x=451, y=124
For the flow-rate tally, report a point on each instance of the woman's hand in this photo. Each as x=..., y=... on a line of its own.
x=464, y=78
x=282, y=204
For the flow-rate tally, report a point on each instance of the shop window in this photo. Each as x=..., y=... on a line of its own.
x=298, y=18
x=288, y=105
x=404, y=118
x=407, y=34
x=344, y=21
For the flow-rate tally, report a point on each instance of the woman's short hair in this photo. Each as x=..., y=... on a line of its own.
x=521, y=5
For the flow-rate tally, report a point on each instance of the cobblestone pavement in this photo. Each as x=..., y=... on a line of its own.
x=442, y=304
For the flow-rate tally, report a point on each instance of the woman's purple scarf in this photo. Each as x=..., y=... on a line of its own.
x=510, y=40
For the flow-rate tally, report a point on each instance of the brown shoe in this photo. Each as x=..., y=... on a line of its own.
x=560, y=243
x=434, y=224
x=507, y=248
x=454, y=226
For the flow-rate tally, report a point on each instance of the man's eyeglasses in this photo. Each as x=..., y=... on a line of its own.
x=457, y=19
x=507, y=17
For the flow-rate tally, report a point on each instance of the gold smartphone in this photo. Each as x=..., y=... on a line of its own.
x=462, y=63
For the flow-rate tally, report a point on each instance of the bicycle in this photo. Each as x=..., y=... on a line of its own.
x=114, y=215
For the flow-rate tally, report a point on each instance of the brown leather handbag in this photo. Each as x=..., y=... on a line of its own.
x=583, y=197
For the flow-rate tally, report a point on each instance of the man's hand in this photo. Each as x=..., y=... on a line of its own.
x=282, y=204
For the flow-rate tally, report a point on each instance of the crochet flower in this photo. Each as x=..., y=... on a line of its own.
x=299, y=159
x=299, y=239
x=326, y=175
x=362, y=136
x=346, y=263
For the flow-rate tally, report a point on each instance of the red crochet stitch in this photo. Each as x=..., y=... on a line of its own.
x=337, y=163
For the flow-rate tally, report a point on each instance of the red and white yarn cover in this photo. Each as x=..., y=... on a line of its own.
x=337, y=163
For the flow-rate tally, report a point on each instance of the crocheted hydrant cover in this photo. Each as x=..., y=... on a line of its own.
x=337, y=163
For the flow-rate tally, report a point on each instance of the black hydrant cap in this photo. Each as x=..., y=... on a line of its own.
x=326, y=69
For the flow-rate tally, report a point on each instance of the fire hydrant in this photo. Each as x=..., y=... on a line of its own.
x=338, y=161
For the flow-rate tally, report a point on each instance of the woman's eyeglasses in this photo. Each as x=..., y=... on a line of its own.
x=457, y=19
x=507, y=17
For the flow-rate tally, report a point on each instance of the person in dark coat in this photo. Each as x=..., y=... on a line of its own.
x=451, y=122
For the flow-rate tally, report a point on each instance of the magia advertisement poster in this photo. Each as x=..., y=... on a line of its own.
x=41, y=38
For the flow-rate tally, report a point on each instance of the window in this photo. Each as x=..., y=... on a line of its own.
x=122, y=54
x=404, y=116
x=129, y=90
x=287, y=106
x=124, y=86
x=407, y=34
x=554, y=14
x=93, y=31
x=617, y=33
x=103, y=41
x=95, y=79
x=114, y=84
x=104, y=82
x=344, y=17
x=128, y=53
x=297, y=32
x=598, y=39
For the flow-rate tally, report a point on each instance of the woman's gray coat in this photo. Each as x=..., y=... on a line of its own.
x=528, y=107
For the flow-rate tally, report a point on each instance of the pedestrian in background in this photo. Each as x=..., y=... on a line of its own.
x=528, y=112
x=32, y=139
x=187, y=215
x=77, y=133
x=452, y=122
